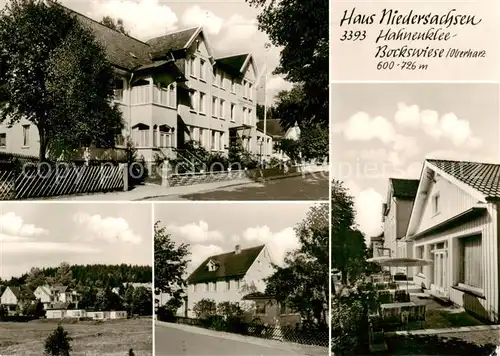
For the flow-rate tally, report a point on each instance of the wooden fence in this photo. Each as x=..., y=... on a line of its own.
x=47, y=180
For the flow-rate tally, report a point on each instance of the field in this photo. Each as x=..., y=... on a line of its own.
x=109, y=338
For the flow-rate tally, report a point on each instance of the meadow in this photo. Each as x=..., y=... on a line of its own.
x=107, y=338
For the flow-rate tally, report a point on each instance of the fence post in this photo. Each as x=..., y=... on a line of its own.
x=165, y=172
x=125, y=176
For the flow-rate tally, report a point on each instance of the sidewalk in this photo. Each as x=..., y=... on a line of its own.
x=293, y=348
x=149, y=191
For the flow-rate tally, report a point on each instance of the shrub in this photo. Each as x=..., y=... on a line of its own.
x=58, y=343
x=165, y=314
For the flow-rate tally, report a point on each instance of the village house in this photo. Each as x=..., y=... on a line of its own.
x=230, y=276
x=377, y=246
x=454, y=222
x=62, y=311
x=171, y=89
x=48, y=295
x=276, y=131
x=269, y=311
x=396, y=215
x=16, y=298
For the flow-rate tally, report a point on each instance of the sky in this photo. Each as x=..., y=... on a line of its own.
x=215, y=228
x=230, y=25
x=46, y=234
x=382, y=131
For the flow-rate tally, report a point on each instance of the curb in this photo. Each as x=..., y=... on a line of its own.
x=291, y=175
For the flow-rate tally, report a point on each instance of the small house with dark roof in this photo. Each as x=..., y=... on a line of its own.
x=16, y=298
x=228, y=277
x=171, y=89
x=395, y=216
x=455, y=223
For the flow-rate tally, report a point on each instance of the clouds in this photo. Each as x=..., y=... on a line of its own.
x=196, y=232
x=205, y=242
x=196, y=16
x=12, y=224
x=109, y=229
x=144, y=19
x=447, y=126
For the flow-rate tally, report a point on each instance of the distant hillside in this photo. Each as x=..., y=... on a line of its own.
x=97, y=275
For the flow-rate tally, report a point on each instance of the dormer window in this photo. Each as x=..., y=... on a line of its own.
x=212, y=266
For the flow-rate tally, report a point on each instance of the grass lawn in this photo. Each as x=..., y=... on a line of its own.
x=440, y=319
x=434, y=345
x=109, y=338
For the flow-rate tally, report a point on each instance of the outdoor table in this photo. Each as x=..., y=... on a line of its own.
x=394, y=309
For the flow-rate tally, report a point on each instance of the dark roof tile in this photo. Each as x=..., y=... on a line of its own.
x=233, y=62
x=230, y=265
x=484, y=177
x=174, y=41
x=273, y=128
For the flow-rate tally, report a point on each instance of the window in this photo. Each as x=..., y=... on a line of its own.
x=435, y=204
x=194, y=288
x=420, y=254
x=3, y=140
x=192, y=66
x=245, y=115
x=238, y=284
x=250, y=96
x=212, y=142
x=202, y=143
x=203, y=69
x=214, y=286
x=202, y=103
x=233, y=113
x=141, y=137
x=250, y=119
x=214, y=106
x=260, y=307
x=222, y=81
x=228, y=286
x=245, y=89
x=221, y=142
x=193, y=103
x=198, y=46
x=221, y=109
x=233, y=85
x=471, y=267
x=218, y=80
x=206, y=287
x=26, y=135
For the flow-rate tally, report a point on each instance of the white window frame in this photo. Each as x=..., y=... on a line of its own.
x=233, y=86
x=192, y=67
x=221, y=141
x=3, y=134
x=477, y=264
x=203, y=69
x=233, y=112
x=435, y=204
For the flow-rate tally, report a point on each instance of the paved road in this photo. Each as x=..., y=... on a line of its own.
x=296, y=188
x=175, y=342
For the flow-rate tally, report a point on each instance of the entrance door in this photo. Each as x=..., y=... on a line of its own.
x=440, y=269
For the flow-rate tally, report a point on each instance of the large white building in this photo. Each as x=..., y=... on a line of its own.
x=172, y=89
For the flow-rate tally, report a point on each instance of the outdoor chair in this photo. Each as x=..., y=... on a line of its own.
x=385, y=297
x=376, y=340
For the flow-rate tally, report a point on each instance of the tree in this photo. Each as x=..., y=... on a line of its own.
x=348, y=249
x=302, y=283
x=35, y=309
x=113, y=24
x=305, y=49
x=271, y=114
x=35, y=278
x=58, y=343
x=205, y=308
x=314, y=142
x=63, y=84
x=170, y=264
x=64, y=275
x=142, y=301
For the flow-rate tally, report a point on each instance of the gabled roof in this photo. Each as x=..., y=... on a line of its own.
x=379, y=237
x=236, y=64
x=404, y=188
x=273, y=128
x=483, y=177
x=22, y=293
x=122, y=50
x=480, y=180
x=59, y=288
x=173, y=41
x=231, y=265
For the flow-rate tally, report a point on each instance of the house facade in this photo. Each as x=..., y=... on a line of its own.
x=170, y=90
x=14, y=298
x=377, y=246
x=396, y=215
x=454, y=223
x=269, y=311
x=49, y=295
x=276, y=131
x=229, y=277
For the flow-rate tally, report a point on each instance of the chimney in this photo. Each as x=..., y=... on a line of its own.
x=237, y=249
